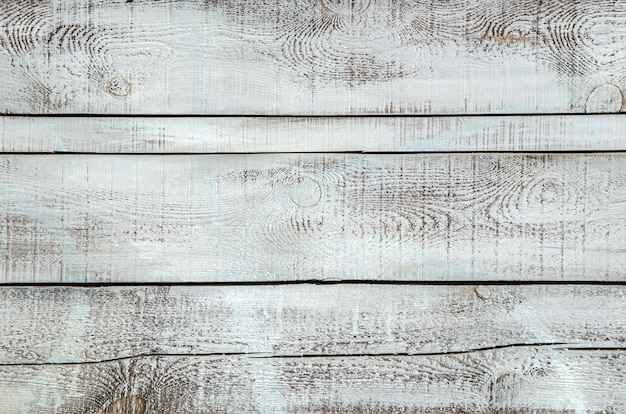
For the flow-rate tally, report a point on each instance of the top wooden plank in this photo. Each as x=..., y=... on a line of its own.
x=312, y=57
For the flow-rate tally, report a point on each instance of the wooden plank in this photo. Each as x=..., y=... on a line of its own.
x=312, y=134
x=312, y=56
x=61, y=325
x=499, y=381
x=107, y=218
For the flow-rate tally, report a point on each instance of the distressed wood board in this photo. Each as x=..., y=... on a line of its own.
x=305, y=57
x=280, y=217
x=394, y=206
x=311, y=134
x=72, y=325
x=514, y=380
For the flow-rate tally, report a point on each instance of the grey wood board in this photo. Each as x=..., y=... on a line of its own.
x=312, y=56
x=312, y=134
x=512, y=381
x=243, y=218
x=62, y=325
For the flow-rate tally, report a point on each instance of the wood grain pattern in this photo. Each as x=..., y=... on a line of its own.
x=311, y=134
x=545, y=380
x=101, y=218
x=284, y=200
x=312, y=56
x=62, y=325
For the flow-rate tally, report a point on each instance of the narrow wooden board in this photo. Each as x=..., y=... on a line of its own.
x=511, y=381
x=312, y=56
x=441, y=217
x=61, y=325
x=312, y=134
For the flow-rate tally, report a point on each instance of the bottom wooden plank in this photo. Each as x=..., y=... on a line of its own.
x=89, y=324
x=511, y=380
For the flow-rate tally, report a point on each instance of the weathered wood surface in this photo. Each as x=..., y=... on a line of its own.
x=311, y=134
x=147, y=218
x=514, y=380
x=312, y=56
x=61, y=325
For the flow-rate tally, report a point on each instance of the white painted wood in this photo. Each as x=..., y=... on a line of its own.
x=313, y=348
x=312, y=134
x=312, y=56
x=61, y=325
x=545, y=380
x=451, y=217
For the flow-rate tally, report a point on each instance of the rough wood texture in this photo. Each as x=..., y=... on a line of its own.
x=63, y=325
x=312, y=134
x=512, y=381
x=293, y=215
x=312, y=56
x=75, y=218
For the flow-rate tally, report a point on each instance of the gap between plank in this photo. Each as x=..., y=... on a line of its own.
x=323, y=282
x=347, y=115
x=170, y=154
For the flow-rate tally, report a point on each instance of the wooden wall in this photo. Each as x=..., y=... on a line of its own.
x=312, y=206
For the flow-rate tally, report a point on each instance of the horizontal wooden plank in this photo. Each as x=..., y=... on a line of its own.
x=500, y=381
x=107, y=218
x=311, y=134
x=312, y=56
x=60, y=325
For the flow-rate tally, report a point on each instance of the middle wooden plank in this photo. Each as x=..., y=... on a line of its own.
x=246, y=218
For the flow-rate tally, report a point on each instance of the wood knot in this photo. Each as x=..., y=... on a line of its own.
x=482, y=292
x=118, y=87
x=604, y=99
x=126, y=405
x=305, y=192
x=516, y=40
